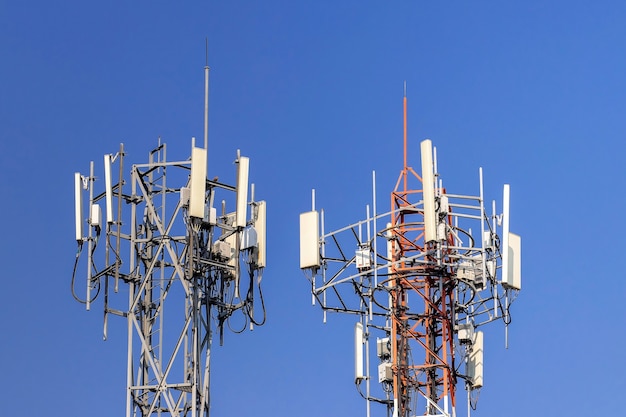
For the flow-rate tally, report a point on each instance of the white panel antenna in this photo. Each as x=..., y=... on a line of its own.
x=309, y=240
x=260, y=226
x=233, y=241
x=108, y=188
x=512, y=277
x=504, y=248
x=475, y=363
x=358, y=352
x=95, y=216
x=198, y=182
x=385, y=373
x=242, y=191
x=184, y=196
x=78, y=205
x=383, y=348
x=248, y=238
x=465, y=333
x=210, y=215
x=428, y=185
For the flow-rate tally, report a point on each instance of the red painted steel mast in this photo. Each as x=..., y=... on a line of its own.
x=429, y=386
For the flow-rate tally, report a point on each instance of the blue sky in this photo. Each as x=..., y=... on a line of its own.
x=534, y=92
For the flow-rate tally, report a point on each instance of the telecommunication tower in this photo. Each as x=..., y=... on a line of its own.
x=188, y=254
x=422, y=279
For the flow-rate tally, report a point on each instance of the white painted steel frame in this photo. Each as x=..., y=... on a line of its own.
x=169, y=261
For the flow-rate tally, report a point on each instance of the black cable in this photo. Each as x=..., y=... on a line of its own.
x=95, y=245
x=474, y=401
x=118, y=259
x=80, y=248
x=73, y=281
x=506, y=315
x=377, y=400
x=251, y=297
x=245, y=325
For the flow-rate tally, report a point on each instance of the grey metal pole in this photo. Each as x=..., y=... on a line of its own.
x=206, y=98
x=90, y=238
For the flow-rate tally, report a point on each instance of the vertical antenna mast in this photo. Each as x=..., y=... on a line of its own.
x=405, y=167
x=206, y=96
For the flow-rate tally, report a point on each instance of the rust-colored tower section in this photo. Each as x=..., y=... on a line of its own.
x=424, y=332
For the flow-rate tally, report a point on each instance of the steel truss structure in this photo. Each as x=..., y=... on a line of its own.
x=421, y=286
x=185, y=275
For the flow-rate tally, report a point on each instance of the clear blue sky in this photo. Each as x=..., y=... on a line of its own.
x=532, y=91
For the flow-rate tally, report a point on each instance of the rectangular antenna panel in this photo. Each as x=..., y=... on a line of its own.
x=260, y=226
x=309, y=240
x=442, y=231
x=385, y=372
x=197, y=183
x=108, y=188
x=505, y=231
x=491, y=269
x=444, y=205
x=475, y=363
x=233, y=243
x=210, y=215
x=358, y=352
x=78, y=205
x=487, y=240
x=383, y=347
x=512, y=277
x=242, y=191
x=363, y=258
x=95, y=216
x=465, y=332
x=428, y=186
x=248, y=238
x=222, y=249
x=184, y=196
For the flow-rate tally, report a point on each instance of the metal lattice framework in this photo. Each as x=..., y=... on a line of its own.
x=185, y=276
x=416, y=271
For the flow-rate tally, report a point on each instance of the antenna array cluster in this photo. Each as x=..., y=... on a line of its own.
x=176, y=242
x=422, y=279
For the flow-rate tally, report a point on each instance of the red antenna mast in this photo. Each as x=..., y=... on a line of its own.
x=428, y=331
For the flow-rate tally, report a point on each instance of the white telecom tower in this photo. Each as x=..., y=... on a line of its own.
x=185, y=254
x=422, y=280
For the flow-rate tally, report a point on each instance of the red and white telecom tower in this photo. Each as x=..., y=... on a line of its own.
x=447, y=269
